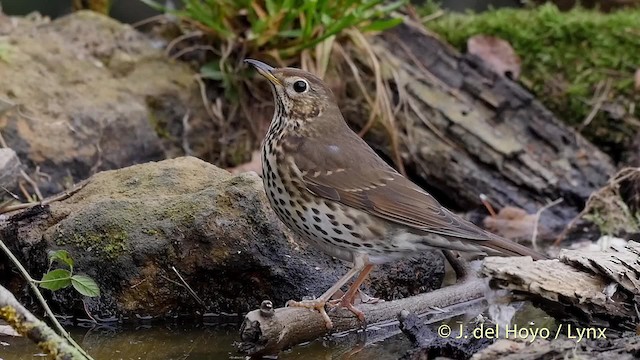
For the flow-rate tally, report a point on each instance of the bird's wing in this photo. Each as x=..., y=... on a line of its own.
x=355, y=176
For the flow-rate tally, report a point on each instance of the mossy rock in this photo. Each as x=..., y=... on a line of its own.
x=129, y=228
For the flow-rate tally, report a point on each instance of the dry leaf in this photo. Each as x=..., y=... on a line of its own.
x=255, y=164
x=512, y=223
x=496, y=53
x=637, y=80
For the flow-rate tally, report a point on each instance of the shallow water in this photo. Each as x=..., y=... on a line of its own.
x=201, y=342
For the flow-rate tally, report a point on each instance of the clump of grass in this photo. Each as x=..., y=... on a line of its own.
x=289, y=32
x=281, y=29
x=580, y=63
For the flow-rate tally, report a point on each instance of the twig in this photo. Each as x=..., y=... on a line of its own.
x=596, y=108
x=25, y=192
x=33, y=184
x=485, y=201
x=176, y=41
x=186, y=128
x=534, y=235
x=193, y=293
x=43, y=302
x=433, y=16
x=86, y=311
x=48, y=201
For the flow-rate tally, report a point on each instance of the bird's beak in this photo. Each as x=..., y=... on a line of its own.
x=264, y=70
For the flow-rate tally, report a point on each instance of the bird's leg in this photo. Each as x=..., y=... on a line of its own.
x=347, y=299
x=319, y=303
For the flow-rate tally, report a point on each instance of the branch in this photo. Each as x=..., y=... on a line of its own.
x=267, y=331
x=26, y=324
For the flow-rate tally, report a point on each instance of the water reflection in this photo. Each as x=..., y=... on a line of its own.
x=188, y=342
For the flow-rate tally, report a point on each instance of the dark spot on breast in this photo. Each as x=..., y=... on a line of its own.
x=331, y=217
x=280, y=190
x=299, y=213
x=337, y=231
x=315, y=211
x=288, y=212
x=317, y=219
x=320, y=229
x=356, y=235
x=368, y=245
x=305, y=226
x=335, y=223
x=348, y=226
x=292, y=203
x=331, y=205
x=281, y=202
x=272, y=194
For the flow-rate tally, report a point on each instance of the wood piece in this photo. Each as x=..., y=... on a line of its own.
x=586, y=287
x=266, y=331
x=624, y=348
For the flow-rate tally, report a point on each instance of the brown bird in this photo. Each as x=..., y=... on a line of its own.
x=328, y=186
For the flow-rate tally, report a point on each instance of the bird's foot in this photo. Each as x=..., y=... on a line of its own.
x=359, y=298
x=315, y=304
x=348, y=302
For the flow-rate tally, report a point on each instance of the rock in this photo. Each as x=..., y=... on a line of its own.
x=127, y=228
x=9, y=169
x=93, y=94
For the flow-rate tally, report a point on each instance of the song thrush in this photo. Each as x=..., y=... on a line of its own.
x=328, y=186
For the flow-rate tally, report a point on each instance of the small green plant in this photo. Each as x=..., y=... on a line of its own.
x=285, y=27
x=60, y=278
x=280, y=28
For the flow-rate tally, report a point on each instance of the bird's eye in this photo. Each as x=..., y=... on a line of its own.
x=300, y=86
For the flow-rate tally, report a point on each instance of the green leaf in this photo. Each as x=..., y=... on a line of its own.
x=61, y=256
x=382, y=25
x=56, y=279
x=85, y=285
x=212, y=71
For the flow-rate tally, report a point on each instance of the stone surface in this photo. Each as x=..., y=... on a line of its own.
x=127, y=228
x=92, y=94
x=9, y=169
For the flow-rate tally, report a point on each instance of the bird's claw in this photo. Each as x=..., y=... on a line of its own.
x=316, y=304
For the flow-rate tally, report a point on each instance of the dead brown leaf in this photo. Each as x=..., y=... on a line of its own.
x=512, y=223
x=637, y=80
x=497, y=53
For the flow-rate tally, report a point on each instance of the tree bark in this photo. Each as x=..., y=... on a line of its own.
x=591, y=288
x=465, y=130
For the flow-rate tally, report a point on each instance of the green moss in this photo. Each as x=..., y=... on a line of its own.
x=109, y=244
x=159, y=125
x=566, y=57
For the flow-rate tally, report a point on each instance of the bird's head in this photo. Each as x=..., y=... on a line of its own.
x=298, y=94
